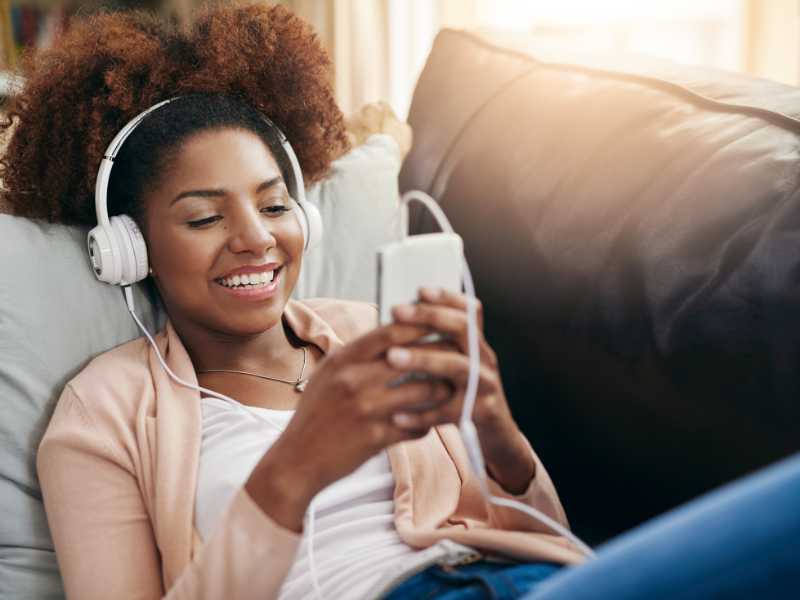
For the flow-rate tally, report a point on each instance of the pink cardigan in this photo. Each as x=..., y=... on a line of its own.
x=118, y=469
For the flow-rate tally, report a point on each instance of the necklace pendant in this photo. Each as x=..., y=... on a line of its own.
x=300, y=386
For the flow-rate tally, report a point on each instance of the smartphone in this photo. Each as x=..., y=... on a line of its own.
x=427, y=260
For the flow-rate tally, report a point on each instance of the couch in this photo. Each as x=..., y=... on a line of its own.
x=633, y=228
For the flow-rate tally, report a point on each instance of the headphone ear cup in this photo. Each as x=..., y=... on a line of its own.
x=104, y=254
x=311, y=223
x=133, y=250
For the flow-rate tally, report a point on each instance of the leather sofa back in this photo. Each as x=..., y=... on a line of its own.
x=633, y=228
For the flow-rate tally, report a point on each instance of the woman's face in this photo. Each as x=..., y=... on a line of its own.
x=219, y=226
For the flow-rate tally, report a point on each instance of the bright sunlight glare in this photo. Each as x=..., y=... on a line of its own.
x=516, y=14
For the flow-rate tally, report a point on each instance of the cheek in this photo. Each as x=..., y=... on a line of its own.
x=297, y=240
x=293, y=244
x=181, y=261
x=288, y=234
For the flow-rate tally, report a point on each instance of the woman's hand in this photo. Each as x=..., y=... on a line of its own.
x=343, y=419
x=507, y=455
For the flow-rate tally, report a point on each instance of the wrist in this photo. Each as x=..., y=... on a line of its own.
x=495, y=427
x=508, y=457
x=513, y=476
x=282, y=491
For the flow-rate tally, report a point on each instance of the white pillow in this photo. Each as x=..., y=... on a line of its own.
x=54, y=317
x=359, y=204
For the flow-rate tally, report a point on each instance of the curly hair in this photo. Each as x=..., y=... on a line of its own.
x=109, y=68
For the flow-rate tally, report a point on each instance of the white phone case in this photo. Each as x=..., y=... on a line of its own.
x=426, y=260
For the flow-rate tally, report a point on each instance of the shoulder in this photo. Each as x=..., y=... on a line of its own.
x=116, y=368
x=348, y=318
x=113, y=385
x=98, y=409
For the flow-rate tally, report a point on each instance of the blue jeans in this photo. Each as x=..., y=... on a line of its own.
x=498, y=581
x=741, y=541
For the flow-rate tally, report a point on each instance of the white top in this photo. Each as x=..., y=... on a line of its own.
x=354, y=536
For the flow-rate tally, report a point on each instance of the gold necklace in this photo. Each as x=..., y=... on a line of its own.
x=299, y=383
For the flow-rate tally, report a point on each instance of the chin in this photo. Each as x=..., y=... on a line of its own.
x=254, y=321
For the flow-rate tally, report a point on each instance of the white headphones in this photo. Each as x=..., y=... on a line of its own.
x=117, y=249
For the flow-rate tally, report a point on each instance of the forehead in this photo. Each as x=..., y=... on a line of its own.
x=219, y=151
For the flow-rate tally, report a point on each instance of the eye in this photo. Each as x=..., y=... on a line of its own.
x=203, y=222
x=276, y=209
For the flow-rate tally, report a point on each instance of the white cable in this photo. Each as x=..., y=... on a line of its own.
x=544, y=519
x=466, y=425
x=312, y=565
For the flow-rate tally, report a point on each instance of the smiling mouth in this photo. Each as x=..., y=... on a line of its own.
x=250, y=281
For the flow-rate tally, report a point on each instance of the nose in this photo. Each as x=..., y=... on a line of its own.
x=250, y=232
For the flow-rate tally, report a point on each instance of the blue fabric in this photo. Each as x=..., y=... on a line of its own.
x=498, y=581
x=741, y=541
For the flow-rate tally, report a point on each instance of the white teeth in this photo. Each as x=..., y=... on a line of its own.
x=252, y=279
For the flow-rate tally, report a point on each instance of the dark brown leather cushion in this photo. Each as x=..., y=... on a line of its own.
x=633, y=228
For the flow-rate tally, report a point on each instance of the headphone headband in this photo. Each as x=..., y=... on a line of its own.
x=104, y=173
x=117, y=249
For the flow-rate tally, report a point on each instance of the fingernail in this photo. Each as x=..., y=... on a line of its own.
x=403, y=420
x=398, y=357
x=431, y=293
x=404, y=311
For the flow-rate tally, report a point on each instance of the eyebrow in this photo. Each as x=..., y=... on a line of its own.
x=216, y=193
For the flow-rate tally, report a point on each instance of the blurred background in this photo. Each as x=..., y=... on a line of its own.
x=379, y=46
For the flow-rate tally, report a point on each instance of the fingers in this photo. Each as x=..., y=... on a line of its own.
x=448, y=365
x=375, y=342
x=377, y=410
x=447, y=320
x=376, y=388
x=423, y=421
x=419, y=419
x=361, y=380
x=414, y=420
x=440, y=318
x=417, y=396
x=451, y=299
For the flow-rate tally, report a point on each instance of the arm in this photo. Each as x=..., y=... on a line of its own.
x=516, y=473
x=515, y=470
x=104, y=539
x=540, y=493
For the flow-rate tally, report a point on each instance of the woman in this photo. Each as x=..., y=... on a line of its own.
x=154, y=491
